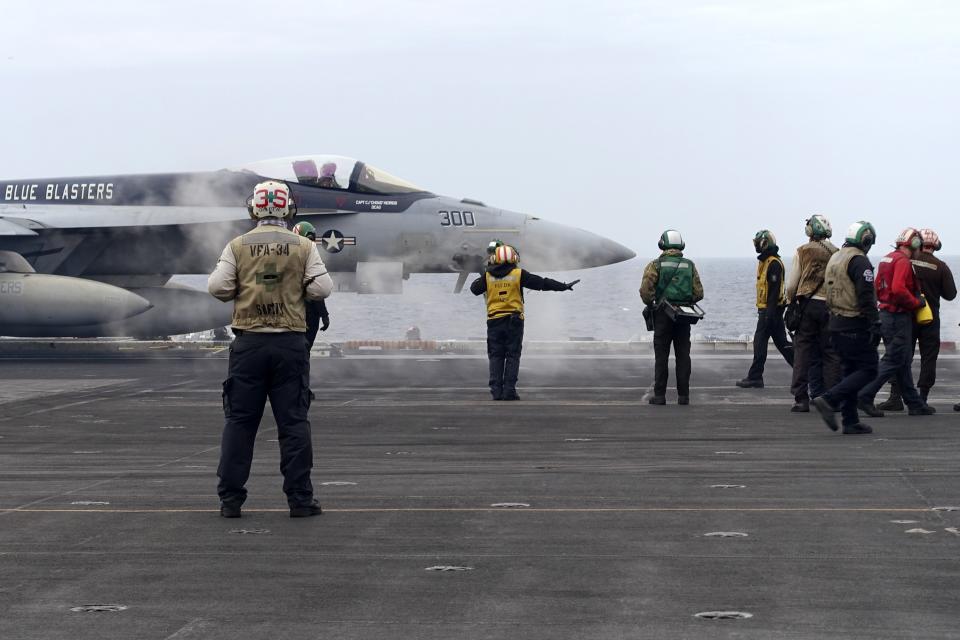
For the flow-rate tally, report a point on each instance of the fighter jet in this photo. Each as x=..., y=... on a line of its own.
x=93, y=256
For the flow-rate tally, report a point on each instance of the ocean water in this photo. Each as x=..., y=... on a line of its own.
x=605, y=305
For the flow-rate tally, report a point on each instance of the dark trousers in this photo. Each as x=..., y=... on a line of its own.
x=504, y=342
x=774, y=329
x=274, y=366
x=897, y=331
x=928, y=337
x=859, y=358
x=666, y=332
x=816, y=366
x=313, y=323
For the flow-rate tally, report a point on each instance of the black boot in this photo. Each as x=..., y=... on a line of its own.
x=747, y=383
x=801, y=406
x=827, y=412
x=307, y=510
x=869, y=408
x=856, y=429
x=893, y=403
x=657, y=400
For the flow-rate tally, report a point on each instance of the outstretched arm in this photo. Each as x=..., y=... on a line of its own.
x=539, y=283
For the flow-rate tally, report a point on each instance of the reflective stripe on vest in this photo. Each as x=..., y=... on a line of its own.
x=675, y=280
x=504, y=295
x=762, y=284
x=270, y=265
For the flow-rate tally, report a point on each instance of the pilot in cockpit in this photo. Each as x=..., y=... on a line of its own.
x=306, y=171
x=328, y=177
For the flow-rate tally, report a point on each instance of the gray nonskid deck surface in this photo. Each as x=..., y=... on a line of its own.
x=107, y=496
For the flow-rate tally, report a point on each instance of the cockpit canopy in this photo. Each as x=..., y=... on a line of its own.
x=332, y=172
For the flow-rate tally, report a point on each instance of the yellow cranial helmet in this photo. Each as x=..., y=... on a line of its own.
x=271, y=199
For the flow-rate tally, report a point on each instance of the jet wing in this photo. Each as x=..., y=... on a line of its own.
x=79, y=216
x=14, y=227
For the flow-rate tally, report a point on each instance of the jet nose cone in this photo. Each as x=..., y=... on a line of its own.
x=610, y=252
x=554, y=247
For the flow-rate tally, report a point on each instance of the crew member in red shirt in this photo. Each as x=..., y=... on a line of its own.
x=899, y=296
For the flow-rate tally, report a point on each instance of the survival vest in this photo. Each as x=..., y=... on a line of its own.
x=675, y=280
x=270, y=265
x=812, y=259
x=762, y=267
x=840, y=289
x=504, y=295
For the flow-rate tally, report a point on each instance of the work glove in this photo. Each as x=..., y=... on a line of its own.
x=569, y=285
x=324, y=323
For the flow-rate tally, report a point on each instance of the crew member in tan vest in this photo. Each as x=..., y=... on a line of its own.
x=268, y=273
x=816, y=366
x=854, y=327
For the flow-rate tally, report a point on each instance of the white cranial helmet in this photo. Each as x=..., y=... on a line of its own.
x=271, y=199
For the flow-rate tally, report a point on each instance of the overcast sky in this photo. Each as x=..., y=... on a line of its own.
x=624, y=118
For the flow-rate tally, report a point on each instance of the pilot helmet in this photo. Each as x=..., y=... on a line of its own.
x=271, y=199
x=306, y=230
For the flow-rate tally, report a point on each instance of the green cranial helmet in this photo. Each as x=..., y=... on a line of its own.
x=763, y=240
x=818, y=227
x=671, y=239
x=305, y=229
x=861, y=235
x=493, y=246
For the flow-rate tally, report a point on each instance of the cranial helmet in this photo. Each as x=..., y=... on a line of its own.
x=763, y=240
x=910, y=238
x=271, y=199
x=818, y=227
x=505, y=254
x=305, y=229
x=862, y=235
x=493, y=246
x=931, y=240
x=671, y=239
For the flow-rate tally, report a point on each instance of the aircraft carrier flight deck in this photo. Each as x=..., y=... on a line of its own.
x=578, y=512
